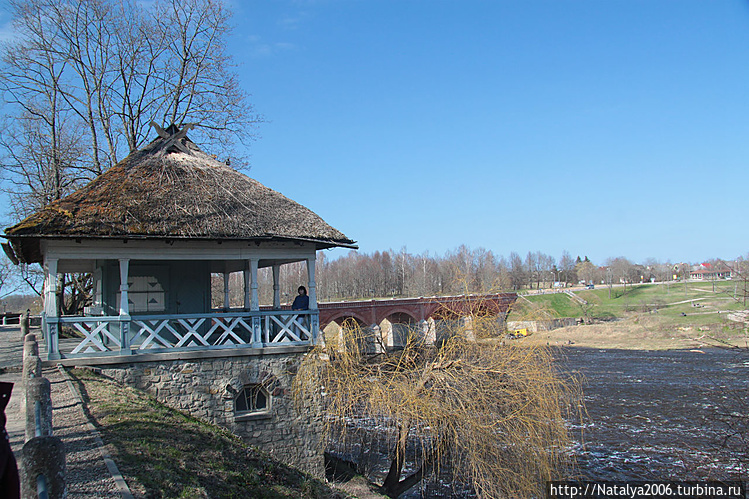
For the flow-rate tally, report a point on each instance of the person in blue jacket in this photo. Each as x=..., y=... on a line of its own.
x=301, y=302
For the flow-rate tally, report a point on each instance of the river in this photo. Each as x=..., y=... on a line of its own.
x=653, y=415
x=661, y=414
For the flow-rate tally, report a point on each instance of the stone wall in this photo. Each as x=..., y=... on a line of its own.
x=208, y=388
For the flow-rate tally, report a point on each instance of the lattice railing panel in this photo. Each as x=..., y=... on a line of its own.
x=97, y=337
x=289, y=328
x=104, y=335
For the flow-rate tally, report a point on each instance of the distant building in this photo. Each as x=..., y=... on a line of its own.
x=708, y=272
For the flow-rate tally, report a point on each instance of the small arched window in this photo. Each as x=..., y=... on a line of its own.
x=252, y=399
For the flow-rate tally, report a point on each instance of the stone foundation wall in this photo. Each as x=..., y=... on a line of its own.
x=208, y=388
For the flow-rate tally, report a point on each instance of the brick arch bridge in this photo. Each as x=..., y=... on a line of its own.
x=368, y=312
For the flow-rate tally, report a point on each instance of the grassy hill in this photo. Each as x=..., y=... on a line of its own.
x=163, y=453
x=643, y=316
x=671, y=300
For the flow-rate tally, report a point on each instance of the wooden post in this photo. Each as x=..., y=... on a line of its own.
x=276, y=287
x=50, y=294
x=312, y=283
x=254, y=299
x=124, y=306
x=255, y=305
x=124, y=299
x=50, y=308
x=247, y=286
x=226, y=290
x=314, y=324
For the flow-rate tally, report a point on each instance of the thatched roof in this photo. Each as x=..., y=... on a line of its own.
x=172, y=191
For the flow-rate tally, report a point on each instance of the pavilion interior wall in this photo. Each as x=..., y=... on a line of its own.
x=157, y=286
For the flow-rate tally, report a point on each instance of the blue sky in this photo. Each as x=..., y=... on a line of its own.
x=600, y=127
x=603, y=128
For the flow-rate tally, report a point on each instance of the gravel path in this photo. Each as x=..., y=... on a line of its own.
x=88, y=474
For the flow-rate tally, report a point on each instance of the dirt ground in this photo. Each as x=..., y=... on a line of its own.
x=643, y=332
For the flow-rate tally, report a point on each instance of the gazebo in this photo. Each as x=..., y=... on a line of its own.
x=151, y=231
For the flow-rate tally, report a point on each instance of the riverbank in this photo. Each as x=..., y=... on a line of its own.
x=645, y=332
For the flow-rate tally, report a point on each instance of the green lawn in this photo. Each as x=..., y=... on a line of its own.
x=669, y=301
x=560, y=304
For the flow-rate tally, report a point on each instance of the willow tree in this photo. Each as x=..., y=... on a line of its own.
x=486, y=413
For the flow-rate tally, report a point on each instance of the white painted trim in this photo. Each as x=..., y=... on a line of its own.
x=190, y=332
x=180, y=250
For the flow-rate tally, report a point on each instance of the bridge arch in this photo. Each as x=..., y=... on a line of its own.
x=343, y=316
x=400, y=316
x=430, y=313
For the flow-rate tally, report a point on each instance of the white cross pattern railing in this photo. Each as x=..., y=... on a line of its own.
x=112, y=335
x=95, y=334
x=286, y=328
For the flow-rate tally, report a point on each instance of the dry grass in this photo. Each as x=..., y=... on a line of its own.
x=642, y=332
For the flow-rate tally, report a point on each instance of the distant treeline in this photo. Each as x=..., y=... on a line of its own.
x=391, y=273
x=21, y=303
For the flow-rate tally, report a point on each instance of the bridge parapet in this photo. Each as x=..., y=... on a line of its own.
x=418, y=309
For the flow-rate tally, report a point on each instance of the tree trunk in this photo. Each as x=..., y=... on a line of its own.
x=390, y=485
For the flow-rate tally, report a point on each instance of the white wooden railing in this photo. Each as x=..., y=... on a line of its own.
x=114, y=335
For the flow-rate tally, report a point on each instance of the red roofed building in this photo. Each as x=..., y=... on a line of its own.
x=708, y=272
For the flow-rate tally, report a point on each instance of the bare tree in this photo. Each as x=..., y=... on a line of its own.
x=621, y=270
x=42, y=148
x=83, y=80
x=531, y=269
x=97, y=72
x=546, y=267
x=196, y=78
x=7, y=284
x=517, y=271
x=588, y=272
x=567, y=268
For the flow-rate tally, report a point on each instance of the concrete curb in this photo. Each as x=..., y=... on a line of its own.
x=111, y=466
